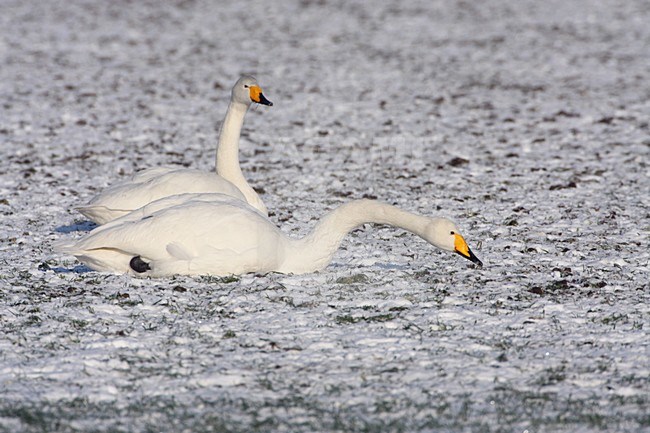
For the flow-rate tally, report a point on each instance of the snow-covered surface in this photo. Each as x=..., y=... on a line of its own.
x=525, y=121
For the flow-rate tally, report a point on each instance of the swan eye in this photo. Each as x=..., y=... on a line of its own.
x=246, y=86
x=452, y=232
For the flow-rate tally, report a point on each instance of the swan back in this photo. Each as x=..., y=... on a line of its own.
x=119, y=200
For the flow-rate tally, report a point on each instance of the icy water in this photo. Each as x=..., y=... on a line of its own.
x=527, y=122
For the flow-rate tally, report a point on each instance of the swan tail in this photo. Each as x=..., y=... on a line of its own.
x=111, y=260
x=100, y=259
x=101, y=214
x=65, y=246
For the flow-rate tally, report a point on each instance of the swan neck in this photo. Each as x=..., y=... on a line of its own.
x=227, y=161
x=315, y=250
x=228, y=148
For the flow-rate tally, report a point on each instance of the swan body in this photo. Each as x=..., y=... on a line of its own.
x=120, y=200
x=225, y=236
x=155, y=183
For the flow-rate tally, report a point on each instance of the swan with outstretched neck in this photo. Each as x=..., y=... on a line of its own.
x=225, y=236
x=152, y=184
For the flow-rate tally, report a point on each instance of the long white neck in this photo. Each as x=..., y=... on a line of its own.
x=315, y=251
x=227, y=162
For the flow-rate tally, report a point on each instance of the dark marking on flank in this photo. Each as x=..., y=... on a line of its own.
x=139, y=265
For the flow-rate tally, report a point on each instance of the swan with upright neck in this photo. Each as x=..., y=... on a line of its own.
x=224, y=236
x=152, y=184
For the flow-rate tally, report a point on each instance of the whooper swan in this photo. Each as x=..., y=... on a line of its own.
x=225, y=236
x=152, y=184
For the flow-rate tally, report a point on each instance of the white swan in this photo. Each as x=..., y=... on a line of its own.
x=155, y=183
x=225, y=236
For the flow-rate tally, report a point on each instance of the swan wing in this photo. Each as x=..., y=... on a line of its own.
x=178, y=251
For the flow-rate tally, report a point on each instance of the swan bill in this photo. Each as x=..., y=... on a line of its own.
x=139, y=265
x=470, y=256
x=257, y=96
x=461, y=247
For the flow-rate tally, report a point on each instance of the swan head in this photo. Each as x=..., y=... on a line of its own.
x=247, y=91
x=444, y=234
